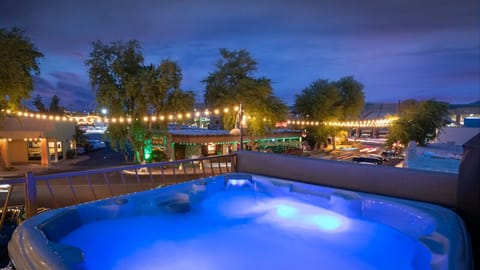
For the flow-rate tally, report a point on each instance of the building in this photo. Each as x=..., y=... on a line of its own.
x=190, y=143
x=461, y=114
x=26, y=140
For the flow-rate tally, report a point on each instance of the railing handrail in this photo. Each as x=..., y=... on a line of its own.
x=124, y=167
x=12, y=181
x=30, y=181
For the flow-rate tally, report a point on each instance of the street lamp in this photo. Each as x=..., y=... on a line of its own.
x=240, y=116
x=238, y=129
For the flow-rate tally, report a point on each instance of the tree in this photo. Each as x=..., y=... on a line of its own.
x=37, y=102
x=233, y=83
x=19, y=62
x=165, y=93
x=55, y=106
x=126, y=87
x=418, y=121
x=352, y=98
x=79, y=135
x=325, y=101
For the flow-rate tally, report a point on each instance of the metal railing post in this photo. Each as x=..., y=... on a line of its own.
x=236, y=162
x=5, y=206
x=31, y=202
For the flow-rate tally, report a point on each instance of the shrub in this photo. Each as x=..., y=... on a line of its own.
x=70, y=153
x=158, y=156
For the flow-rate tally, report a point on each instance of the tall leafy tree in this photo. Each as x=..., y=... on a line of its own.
x=233, y=83
x=19, y=63
x=352, y=98
x=127, y=87
x=115, y=72
x=325, y=101
x=37, y=102
x=418, y=121
x=164, y=90
x=55, y=106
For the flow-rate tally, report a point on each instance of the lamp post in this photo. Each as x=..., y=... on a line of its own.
x=238, y=129
x=240, y=116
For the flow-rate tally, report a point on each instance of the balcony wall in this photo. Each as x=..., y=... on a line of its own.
x=435, y=187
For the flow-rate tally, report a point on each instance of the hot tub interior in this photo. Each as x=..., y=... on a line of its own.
x=243, y=221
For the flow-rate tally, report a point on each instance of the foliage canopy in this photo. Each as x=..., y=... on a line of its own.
x=325, y=101
x=125, y=86
x=233, y=83
x=418, y=121
x=19, y=62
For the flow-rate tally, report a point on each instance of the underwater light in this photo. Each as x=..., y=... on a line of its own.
x=286, y=211
x=328, y=222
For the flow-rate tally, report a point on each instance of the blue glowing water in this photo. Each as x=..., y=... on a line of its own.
x=327, y=222
x=286, y=211
x=238, y=229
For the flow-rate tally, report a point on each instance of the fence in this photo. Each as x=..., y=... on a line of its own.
x=37, y=192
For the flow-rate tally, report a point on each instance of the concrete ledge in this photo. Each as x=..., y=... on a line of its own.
x=434, y=187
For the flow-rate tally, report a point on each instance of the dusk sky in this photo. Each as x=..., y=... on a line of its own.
x=397, y=49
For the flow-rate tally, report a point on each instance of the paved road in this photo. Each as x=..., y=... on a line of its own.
x=102, y=158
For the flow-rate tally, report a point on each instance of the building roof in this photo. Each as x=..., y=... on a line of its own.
x=197, y=135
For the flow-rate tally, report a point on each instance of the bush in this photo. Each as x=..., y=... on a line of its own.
x=70, y=153
x=158, y=156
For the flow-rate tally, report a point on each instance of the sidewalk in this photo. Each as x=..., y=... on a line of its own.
x=62, y=165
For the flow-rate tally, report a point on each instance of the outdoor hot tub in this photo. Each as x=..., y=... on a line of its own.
x=244, y=221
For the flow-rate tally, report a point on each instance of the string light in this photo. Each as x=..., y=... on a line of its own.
x=205, y=113
x=349, y=124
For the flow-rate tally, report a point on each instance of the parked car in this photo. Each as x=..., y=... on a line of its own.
x=80, y=149
x=389, y=154
x=96, y=144
x=367, y=160
x=84, y=148
x=377, y=156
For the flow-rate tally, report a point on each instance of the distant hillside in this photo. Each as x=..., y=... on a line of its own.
x=473, y=104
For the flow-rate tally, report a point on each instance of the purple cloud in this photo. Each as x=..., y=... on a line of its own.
x=72, y=96
x=397, y=49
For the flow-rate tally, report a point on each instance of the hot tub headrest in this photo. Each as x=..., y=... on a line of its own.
x=59, y=225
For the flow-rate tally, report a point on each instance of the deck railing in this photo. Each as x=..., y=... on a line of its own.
x=457, y=191
x=37, y=192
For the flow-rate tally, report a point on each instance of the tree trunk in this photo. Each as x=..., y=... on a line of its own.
x=140, y=155
x=3, y=166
